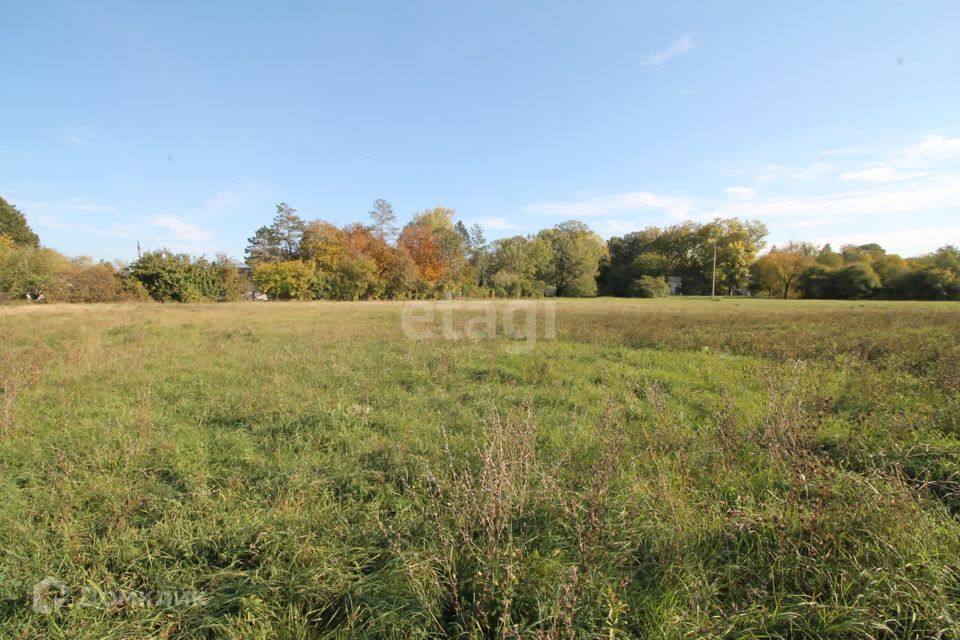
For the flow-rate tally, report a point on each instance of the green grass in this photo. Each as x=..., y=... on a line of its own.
x=674, y=468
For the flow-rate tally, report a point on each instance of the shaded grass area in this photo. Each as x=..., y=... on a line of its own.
x=662, y=469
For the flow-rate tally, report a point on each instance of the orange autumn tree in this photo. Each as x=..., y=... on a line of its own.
x=435, y=246
x=367, y=241
x=420, y=242
x=361, y=240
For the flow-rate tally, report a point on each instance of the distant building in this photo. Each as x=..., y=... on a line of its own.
x=675, y=283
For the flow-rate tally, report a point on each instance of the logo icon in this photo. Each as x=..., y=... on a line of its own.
x=49, y=595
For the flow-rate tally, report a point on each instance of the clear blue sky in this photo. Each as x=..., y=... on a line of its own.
x=181, y=124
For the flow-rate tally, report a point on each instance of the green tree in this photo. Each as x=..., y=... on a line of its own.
x=384, y=219
x=356, y=278
x=477, y=254
x=14, y=225
x=737, y=245
x=815, y=282
x=521, y=255
x=574, y=259
x=278, y=242
x=325, y=245
x=463, y=232
x=684, y=250
x=288, y=228
x=854, y=281
x=862, y=253
x=515, y=265
x=637, y=254
x=928, y=283
x=263, y=247
x=829, y=258
x=946, y=257
x=779, y=270
x=889, y=267
x=25, y=268
x=398, y=272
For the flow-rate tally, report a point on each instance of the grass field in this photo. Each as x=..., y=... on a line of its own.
x=661, y=469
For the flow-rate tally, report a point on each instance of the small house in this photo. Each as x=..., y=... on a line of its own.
x=675, y=283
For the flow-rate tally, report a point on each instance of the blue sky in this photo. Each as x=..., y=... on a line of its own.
x=181, y=124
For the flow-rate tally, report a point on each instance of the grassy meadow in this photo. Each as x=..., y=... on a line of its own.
x=676, y=468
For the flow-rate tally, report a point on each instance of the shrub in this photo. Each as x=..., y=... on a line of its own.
x=584, y=286
x=181, y=278
x=132, y=289
x=290, y=279
x=92, y=283
x=649, y=287
x=507, y=284
x=233, y=283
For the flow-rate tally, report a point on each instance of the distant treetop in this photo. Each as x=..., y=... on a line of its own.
x=14, y=225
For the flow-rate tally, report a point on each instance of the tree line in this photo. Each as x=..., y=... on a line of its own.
x=434, y=255
x=29, y=270
x=800, y=269
x=431, y=256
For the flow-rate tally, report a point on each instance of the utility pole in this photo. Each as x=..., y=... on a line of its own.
x=139, y=255
x=713, y=289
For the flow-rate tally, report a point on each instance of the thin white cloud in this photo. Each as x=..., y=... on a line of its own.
x=931, y=149
x=849, y=150
x=810, y=172
x=66, y=206
x=614, y=227
x=611, y=213
x=162, y=231
x=814, y=197
x=774, y=172
x=497, y=224
x=741, y=193
x=929, y=194
x=682, y=45
x=905, y=242
x=616, y=204
x=51, y=222
x=234, y=197
x=880, y=174
x=811, y=222
x=81, y=135
x=182, y=231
